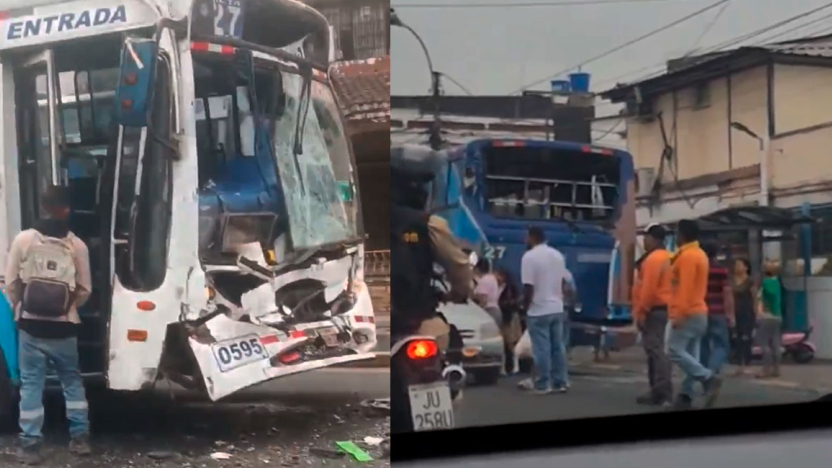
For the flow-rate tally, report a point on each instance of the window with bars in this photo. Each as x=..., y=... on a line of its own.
x=362, y=29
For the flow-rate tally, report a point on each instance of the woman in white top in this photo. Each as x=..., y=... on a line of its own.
x=487, y=292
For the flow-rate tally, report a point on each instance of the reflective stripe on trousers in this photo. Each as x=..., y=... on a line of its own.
x=34, y=354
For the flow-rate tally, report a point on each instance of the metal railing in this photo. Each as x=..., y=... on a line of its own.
x=377, y=264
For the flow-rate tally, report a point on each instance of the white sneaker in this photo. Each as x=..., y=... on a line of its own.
x=526, y=384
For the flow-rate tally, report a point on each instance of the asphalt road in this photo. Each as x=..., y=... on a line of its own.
x=291, y=422
x=599, y=394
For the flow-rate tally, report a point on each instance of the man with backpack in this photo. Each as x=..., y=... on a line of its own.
x=48, y=278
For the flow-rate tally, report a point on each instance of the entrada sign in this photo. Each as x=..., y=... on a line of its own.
x=65, y=22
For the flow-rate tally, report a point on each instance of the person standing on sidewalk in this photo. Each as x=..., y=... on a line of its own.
x=48, y=277
x=770, y=321
x=720, y=301
x=544, y=277
x=689, y=315
x=651, y=294
x=745, y=312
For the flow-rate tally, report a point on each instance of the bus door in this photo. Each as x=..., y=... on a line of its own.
x=35, y=81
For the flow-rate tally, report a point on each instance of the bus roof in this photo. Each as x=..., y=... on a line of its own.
x=553, y=144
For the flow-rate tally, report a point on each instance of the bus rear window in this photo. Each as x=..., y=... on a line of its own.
x=547, y=183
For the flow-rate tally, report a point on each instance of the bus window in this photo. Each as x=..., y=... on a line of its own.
x=224, y=116
x=548, y=183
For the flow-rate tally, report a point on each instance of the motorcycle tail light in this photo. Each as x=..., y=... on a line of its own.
x=422, y=349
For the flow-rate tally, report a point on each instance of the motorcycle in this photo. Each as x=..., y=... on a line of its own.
x=795, y=345
x=424, y=385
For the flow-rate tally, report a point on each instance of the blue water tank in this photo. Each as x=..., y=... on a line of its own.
x=560, y=86
x=579, y=82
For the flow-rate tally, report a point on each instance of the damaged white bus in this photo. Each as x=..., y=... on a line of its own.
x=210, y=175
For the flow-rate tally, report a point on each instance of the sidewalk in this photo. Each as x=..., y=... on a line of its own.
x=815, y=376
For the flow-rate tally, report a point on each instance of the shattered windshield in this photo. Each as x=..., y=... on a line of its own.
x=319, y=189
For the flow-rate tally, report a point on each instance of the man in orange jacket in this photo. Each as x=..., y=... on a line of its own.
x=650, y=298
x=689, y=314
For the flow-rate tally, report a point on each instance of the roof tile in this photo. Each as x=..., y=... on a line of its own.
x=363, y=88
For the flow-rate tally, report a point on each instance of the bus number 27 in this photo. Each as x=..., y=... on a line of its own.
x=494, y=252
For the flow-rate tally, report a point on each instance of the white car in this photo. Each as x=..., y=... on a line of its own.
x=483, y=354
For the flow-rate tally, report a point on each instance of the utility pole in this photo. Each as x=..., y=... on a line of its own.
x=435, y=130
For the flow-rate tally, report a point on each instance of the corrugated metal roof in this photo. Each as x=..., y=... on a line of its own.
x=819, y=47
x=812, y=47
x=363, y=88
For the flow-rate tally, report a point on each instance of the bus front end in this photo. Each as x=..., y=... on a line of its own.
x=211, y=178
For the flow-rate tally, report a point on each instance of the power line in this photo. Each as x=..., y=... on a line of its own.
x=734, y=41
x=761, y=31
x=626, y=44
x=708, y=28
x=457, y=83
x=562, y=3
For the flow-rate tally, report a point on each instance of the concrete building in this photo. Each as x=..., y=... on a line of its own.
x=744, y=126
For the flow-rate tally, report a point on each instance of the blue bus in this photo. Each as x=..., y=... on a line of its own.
x=583, y=196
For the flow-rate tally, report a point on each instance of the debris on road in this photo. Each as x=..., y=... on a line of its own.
x=377, y=407
x=326, y=453
x=157, y=433
x=354, y=450
x=162, y=454
x=373, y=441
x=220, y=456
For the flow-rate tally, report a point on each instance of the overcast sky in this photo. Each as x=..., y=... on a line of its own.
x=497, y=50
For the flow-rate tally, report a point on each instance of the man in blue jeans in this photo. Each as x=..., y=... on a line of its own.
x=48, y=277
x=545, y=280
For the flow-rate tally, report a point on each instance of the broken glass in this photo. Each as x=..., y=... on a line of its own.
x=319, y=214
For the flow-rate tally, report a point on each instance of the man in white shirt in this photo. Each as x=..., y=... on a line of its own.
x=544, y=276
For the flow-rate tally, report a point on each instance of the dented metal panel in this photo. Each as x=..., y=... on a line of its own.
x=233, y=355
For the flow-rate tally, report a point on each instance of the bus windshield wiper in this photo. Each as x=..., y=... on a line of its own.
x=305, y=100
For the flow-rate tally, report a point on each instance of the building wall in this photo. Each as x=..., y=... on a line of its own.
x=705, y=143
x=701, y=136
x=803, y=129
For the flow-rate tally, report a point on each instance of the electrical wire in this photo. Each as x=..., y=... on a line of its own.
x=562, y=3
x=730, y=42
x=626, y=44
x=612, y=129
x=708, y=28
x=457, y=83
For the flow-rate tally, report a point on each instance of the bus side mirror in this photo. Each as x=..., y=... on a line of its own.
x=135, y=85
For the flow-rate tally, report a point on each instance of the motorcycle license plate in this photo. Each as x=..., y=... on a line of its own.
x=431, y=407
